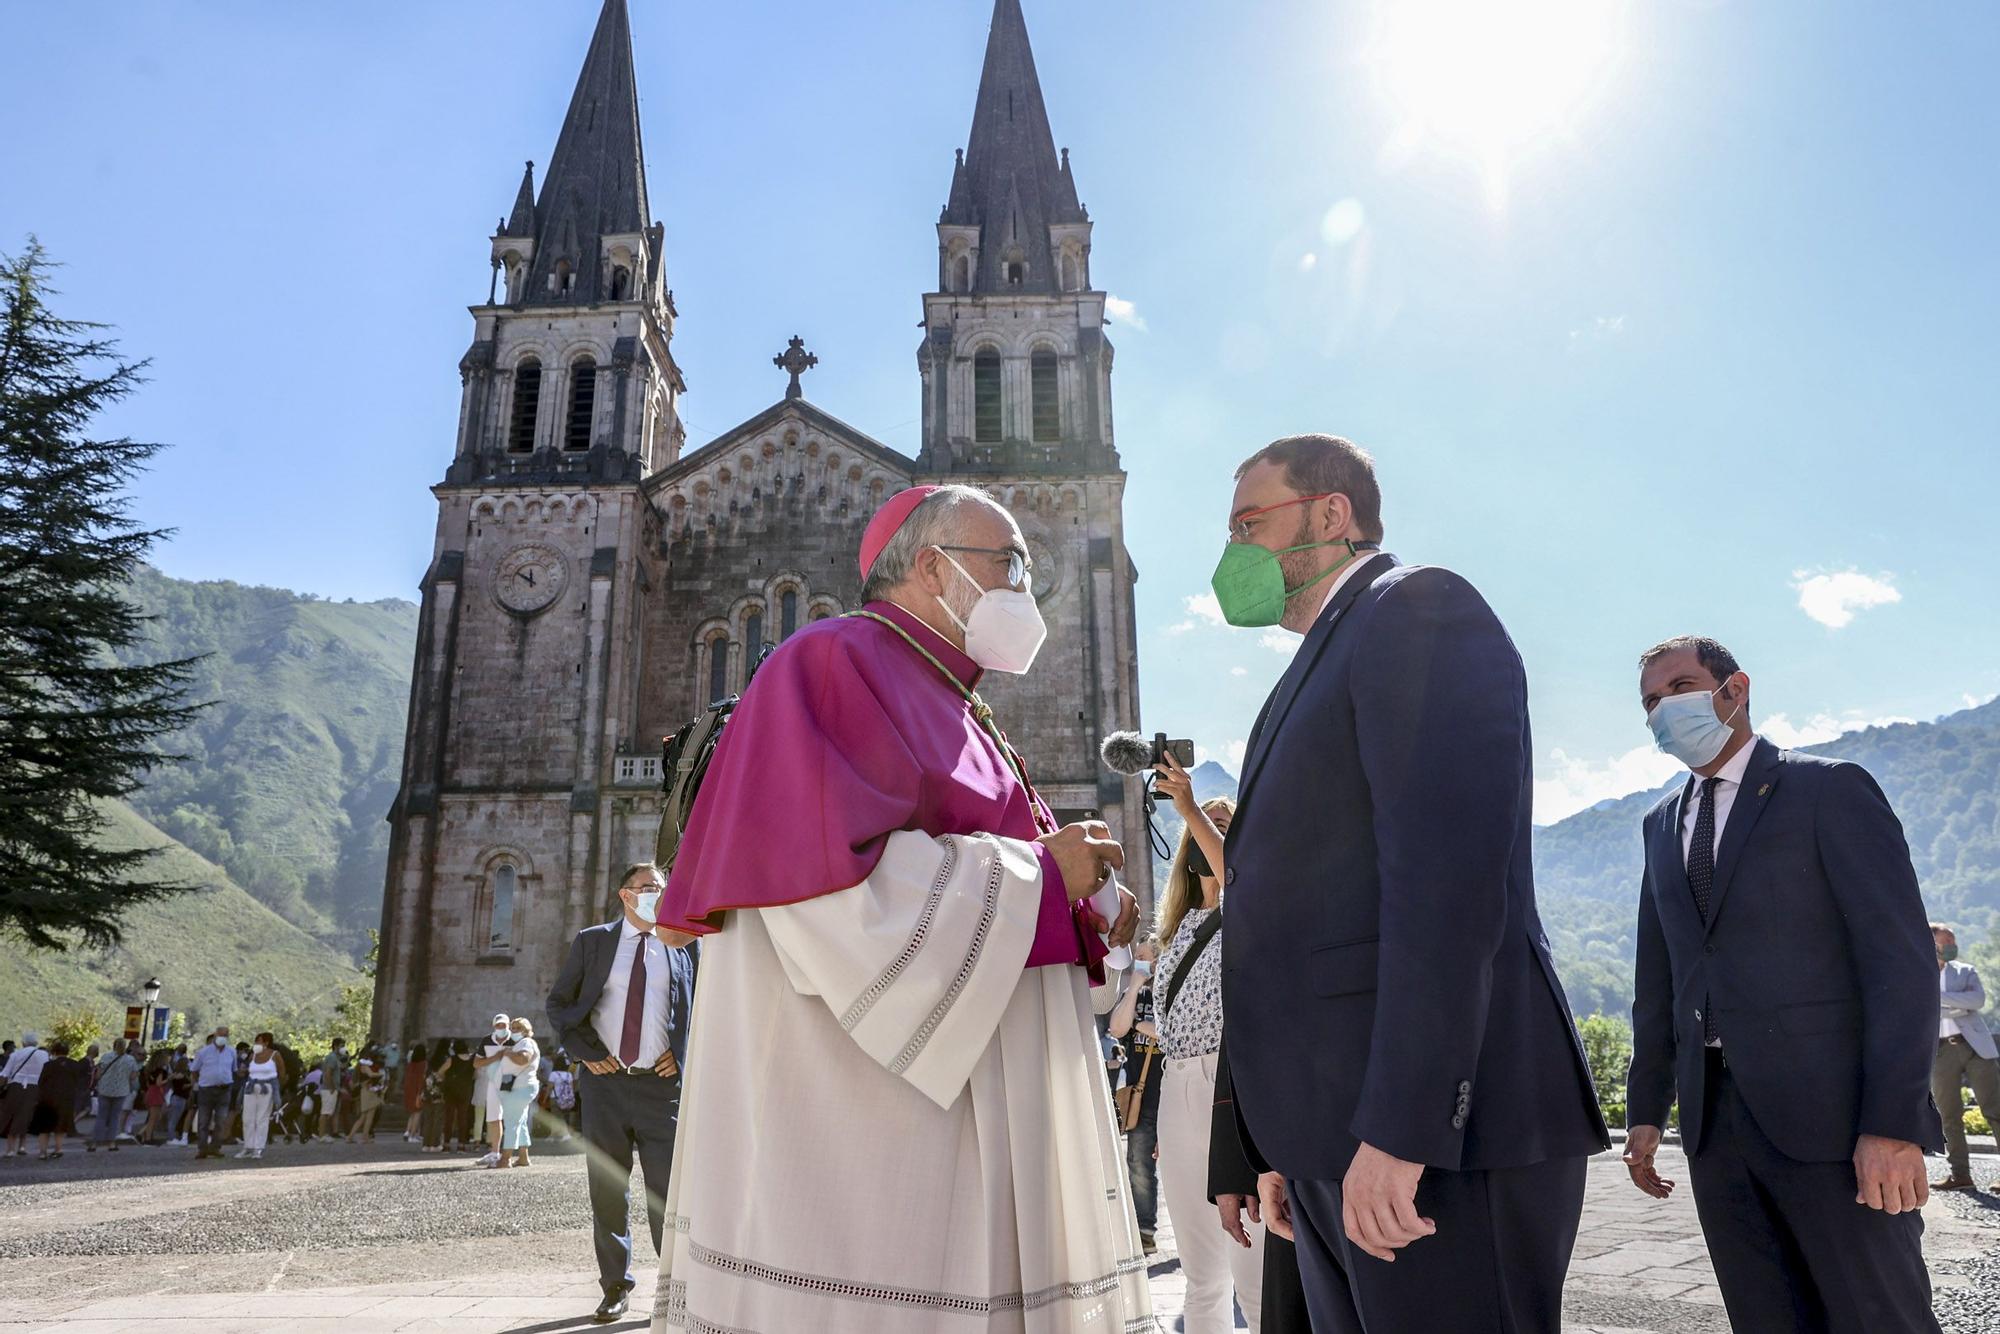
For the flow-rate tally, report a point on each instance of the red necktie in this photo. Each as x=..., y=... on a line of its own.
x=635, y=1006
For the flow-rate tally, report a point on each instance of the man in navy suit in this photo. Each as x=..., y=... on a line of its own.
x=1787, y=990
x=1428, y=1156
x=621, y=1006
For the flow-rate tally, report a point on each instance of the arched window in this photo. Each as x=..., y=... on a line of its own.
x=1069, y=278
x=788, y=614
x=962, y=275
x=500, y=909
x=621, y=282
x=527, y=401
x=1017, y=272
x=718, y=668
x=986, y=397
x=1047, y=398
x=562, y=279
x=753, y=640
x=582, y=404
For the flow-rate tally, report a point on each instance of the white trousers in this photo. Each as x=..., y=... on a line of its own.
x=1210, y=1258
x=259, y=1100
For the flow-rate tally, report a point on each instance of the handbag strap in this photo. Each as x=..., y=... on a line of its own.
x=1202, y=935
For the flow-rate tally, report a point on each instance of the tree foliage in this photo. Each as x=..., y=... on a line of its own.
x=77, y=726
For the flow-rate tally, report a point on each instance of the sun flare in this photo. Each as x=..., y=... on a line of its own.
x=1493, y=80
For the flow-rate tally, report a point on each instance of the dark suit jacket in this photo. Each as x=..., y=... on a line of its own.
x=1229, y=1169
x=1382, y=900
x=581, y=982
x=1816, y=959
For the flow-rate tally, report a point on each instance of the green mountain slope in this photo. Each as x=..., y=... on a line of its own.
x=289, y=775
x=1942, y=777
x=221, y=956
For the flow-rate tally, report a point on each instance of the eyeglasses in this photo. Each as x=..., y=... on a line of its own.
x=1019, y=566
x=1240, y=526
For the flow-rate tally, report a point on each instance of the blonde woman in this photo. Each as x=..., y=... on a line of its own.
x=1189, y=1017
x=518, y=1084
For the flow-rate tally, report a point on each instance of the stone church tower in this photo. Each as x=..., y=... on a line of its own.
x=593, y=584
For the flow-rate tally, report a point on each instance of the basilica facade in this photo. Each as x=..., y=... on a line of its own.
x=594, y=581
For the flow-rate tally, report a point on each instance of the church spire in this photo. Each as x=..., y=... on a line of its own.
x=521, y=222
x=595, y=186
x=1010, y=183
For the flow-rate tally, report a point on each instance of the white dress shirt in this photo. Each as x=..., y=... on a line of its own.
x=608, y=1016
x=1730, y=778
x=1731, y=775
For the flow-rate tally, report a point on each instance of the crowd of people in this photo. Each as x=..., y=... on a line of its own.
x=491, y=1095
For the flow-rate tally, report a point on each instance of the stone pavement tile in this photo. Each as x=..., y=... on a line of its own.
x=332, y=1303
x=1651, y=1289
x=154, y=1306
x=158, y=1324
x=406, y=1307
x=1620, y=1261
x=527, y=1310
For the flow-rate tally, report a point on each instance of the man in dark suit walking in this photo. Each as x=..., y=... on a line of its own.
x=1787, y=990
x=1429, y=1158
x=621, y=1007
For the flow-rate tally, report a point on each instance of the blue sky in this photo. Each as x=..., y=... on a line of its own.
x=1680, y=322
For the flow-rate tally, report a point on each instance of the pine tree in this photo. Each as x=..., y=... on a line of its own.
x=78, y=727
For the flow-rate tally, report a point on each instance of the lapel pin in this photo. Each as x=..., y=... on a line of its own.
x=1764, y=791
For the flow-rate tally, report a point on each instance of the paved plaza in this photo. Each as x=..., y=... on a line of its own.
x=386, y=1238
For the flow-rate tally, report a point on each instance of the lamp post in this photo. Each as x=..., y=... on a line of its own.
x=151, y=994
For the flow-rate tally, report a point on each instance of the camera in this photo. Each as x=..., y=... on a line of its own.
x=1182, y=750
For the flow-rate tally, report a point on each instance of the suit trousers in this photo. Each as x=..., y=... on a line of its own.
x=211, y=1117
x=1956, y=1060
x=1792, y=1250
x=624, y=1113
x=1215, y=1266
x=1496, y=1264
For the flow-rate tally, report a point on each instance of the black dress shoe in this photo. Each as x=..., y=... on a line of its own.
x=612, y=1306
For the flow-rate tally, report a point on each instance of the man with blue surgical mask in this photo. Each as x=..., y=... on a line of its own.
x=1785, y=994
x=621, y=1008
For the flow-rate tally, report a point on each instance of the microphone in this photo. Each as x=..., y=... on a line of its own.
x=1127, y=753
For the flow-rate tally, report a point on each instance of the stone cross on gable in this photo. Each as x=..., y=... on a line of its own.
x=796, y=360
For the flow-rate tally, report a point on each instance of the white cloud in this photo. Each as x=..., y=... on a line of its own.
x=1279, y=641
x=1568, y=783
x=1832, y=599
x=1973, y=701
x=1118, y=308
x=1202, y=607
x=1245, y=671
x=1821, y=727
x=1229, y=757
x=1308, y=262
x=1603, y=329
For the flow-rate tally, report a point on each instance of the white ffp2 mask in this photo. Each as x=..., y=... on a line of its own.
x=1005, y=629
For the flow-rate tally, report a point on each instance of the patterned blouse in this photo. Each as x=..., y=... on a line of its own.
x=1193, y=1027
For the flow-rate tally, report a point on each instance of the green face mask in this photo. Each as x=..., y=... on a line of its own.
x=1249, y=583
